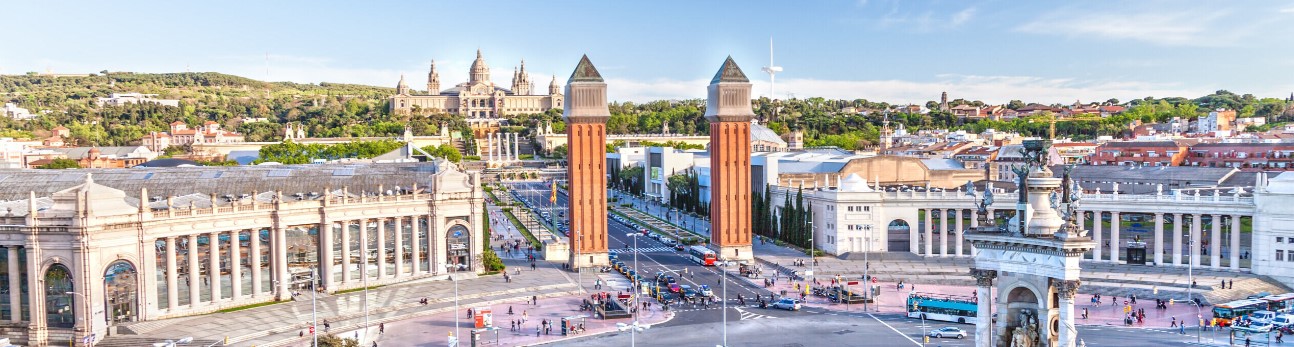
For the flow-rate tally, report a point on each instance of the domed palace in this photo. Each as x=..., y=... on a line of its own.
x=478, y=99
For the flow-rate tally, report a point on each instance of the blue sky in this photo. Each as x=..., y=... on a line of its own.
x=896, y=51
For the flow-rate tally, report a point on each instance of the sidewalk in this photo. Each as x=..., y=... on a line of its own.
x=434, y=330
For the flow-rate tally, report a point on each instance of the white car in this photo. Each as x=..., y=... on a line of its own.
x=1262, y=316
x=787, y=304
x=1282, y=321
x=953, y=332
x=705, y=290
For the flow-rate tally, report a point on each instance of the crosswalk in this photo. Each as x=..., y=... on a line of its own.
x=746, y=315
x=644, y=250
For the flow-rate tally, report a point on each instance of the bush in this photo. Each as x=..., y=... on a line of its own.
x=491, y=260
x=330, y=340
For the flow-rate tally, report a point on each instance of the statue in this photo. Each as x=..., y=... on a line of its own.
x=1159, y=189
x=1025, y=334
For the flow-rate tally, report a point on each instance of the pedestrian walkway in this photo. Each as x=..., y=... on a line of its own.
x=436, y=328
x=281, y=324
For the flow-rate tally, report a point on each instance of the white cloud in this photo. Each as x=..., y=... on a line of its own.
x=991, y=89
x=1158, y=26
x=963, y=16
x=1287, y=10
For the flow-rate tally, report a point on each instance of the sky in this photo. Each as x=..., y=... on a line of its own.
x=892, y=51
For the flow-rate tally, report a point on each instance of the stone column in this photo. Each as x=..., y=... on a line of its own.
x=236, y=264
x=1177, y=239
x=213, y=265
x=516, y=146
x=326, y=253
x=254, y=255
x=399, y=247
x=345, y=251
x=958, y=232
x=15, y=289
x=416, y=246
x=1215, y=243
x=381, y=248
x=1066, y=290
x=1159, y=238
x=1235, y=242
x=363, y=248
x=943, y=232
x=172, y=276
x=974, y=218
x=930, y=227
x=1115, y=222
x=195, y=282
x=281, y=257
x=1195, y=239
x=489, y=149
x=984, y=300
x=1096, y=235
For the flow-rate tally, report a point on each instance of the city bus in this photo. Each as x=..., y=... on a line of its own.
x=942, y=307
x=1280, y=303
x=1225, y=314
x=702, y=255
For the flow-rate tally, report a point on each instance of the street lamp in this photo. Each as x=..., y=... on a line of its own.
x=455, y=280
x=633, y=336
x=867, y=265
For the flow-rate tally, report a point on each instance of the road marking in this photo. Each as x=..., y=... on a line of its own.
x=751, y=315
x=887, y=325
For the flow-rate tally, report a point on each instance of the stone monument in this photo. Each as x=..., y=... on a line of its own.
x=1033, y=261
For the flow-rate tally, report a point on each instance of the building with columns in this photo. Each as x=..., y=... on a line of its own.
x=478, y=99
x=103, y=247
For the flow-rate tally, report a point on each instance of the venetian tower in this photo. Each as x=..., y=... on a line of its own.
x=729, y=111
x=586, y=115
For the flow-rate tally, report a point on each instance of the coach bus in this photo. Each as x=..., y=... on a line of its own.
x=702, y=255
x=1225, y=314
x=1281, y=303
x=942, y=307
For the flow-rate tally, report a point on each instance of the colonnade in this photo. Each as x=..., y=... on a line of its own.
x=502, y=148
x=941, y=234
x=229, y=266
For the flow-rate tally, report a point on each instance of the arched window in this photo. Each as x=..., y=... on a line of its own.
x=59, y=305
x=121, y=291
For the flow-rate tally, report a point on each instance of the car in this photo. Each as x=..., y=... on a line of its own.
x=674, y=287
x=687, y=291
x=678, y=247
x=787, y=304
x=705, y=290
x=670, y=280
x=1257, y=327
x=951, y=332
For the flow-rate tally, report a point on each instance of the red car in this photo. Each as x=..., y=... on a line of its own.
x=673, y=287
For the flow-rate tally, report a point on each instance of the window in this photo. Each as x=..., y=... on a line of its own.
x=1280, y=239
x=867, y=208
x=1280, y=255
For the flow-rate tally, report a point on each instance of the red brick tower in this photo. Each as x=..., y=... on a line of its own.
x=586, y=116
x=729, y=111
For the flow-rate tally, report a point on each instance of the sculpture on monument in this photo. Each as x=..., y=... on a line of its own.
x=1025, y=333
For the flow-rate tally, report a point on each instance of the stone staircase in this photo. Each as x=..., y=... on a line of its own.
x=130, y=341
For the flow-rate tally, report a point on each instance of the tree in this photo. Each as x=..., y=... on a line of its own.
x=330, y=340
x=61, y=163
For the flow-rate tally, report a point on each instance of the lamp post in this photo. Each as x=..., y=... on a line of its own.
x=633, y=335
x=867, y=265
x=455, y=280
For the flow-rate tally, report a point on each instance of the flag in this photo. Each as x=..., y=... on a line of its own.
x=553, y=198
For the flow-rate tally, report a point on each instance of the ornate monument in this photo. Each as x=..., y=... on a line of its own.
x=1031, y=260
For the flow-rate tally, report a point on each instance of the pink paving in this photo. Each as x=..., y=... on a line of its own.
x=434, y=330
x=892, y=300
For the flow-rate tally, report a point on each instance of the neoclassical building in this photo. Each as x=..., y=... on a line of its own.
x=478, y=99
x=84, y=250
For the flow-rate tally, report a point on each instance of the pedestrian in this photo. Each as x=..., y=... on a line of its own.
x=1173, y=323
x=381, y=327
x=534, y=299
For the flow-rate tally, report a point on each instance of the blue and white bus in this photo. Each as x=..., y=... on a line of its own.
x=942, y=307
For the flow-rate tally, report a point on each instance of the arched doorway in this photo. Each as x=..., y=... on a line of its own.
x=898, y=236
x=457, y=246
x=59, y=304
x=121, y=292
x=1022, y=303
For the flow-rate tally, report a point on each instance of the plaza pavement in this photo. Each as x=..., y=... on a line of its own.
x=1147, y=282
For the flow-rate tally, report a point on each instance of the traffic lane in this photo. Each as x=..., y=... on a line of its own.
x=676, y=262
x=785, y=331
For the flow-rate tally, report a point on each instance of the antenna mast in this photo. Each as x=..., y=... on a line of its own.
x=772, y=70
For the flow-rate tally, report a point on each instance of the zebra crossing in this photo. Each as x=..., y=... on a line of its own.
x=644, y=250
x=746, y=315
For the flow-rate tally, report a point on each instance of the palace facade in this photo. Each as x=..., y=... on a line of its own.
x=478, y=99
x=84, y=250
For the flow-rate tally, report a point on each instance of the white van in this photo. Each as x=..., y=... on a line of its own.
x=1282, y=321
x=1262, y=316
